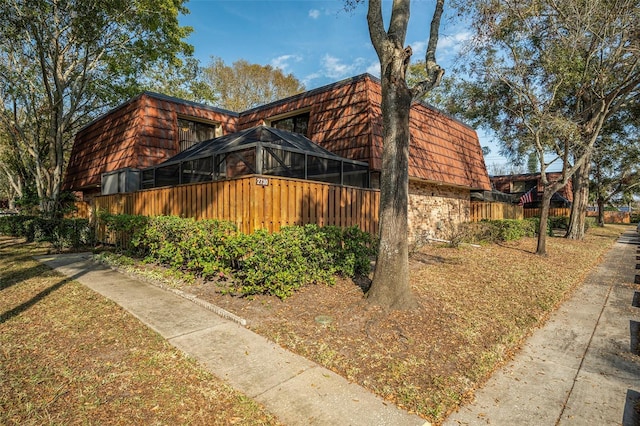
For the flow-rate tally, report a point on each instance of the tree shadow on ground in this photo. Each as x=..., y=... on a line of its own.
x=5, y=316
x=12, y=242
x=21, y=275
x=521, y=250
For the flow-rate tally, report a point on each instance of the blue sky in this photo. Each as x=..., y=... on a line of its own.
x=315, y=40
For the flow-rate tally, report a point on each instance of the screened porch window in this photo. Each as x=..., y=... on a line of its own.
x=192, y=132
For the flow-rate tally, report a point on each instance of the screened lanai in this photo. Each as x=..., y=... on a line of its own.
x=259, y=150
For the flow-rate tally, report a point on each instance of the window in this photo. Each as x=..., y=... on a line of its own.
x=295, y=123
x=192, y=132
x=522, y=186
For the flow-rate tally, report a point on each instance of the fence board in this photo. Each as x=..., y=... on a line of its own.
x=282, y=202
x=480, y=210
x=613, y=216
x=563, y=212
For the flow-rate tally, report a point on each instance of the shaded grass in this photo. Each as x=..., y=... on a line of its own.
x=70, y=356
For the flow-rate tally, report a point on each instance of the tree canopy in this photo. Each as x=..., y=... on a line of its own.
x=62, y=61
x=244, y=85
x=182, y=79
x=547, y=75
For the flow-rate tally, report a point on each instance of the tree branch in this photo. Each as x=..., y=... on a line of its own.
x=434, y=71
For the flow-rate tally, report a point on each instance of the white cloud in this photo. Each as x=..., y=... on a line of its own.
x=308, y=79
x=314, y=13
x=283, y=62
x=419, y=48
x=449, y=45
x=333, y=69
x=374, y=69
x=455, y=41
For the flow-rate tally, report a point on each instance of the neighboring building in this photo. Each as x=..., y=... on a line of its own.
x=445, y=157
x=518, y=185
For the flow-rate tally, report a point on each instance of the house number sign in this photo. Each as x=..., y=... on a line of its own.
x=262, y=181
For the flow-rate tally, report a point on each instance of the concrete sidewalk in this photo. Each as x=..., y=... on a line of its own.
x=296, y=390
x=582, y=367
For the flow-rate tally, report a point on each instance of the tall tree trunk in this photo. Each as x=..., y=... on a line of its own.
x=575, y=230
x=600, y=211
x=544, y=216
x=390, y=286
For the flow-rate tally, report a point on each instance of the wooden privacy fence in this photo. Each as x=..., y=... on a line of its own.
x=494, y=211
x=254, y=202
x=79, y=209
x=559, y=211
x=613, y=216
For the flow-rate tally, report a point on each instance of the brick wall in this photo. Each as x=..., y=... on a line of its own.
x=434, y=210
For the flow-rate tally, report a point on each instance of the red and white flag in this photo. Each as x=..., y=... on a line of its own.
x=527, y=197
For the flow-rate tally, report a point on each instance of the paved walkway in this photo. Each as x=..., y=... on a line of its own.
x=582, y=368
x=296, y=390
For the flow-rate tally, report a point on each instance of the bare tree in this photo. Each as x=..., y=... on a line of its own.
x=243, y=85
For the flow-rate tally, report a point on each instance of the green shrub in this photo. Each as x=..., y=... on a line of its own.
x=281, y=262
x=14, y=225
x=558, y=222
x=62, y=233
x=198, y=246
x=590, y=222
x=126, y=227
x=492, y=231
x=260, y=263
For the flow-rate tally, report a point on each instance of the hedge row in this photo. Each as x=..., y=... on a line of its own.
x=260, y=263
x=493, y=231
x=62, y=233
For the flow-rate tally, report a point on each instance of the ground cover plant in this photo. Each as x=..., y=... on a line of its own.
x=70, y=356
x=62, y=233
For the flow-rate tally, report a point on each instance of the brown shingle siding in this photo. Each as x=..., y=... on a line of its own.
x=345, y=118
x=139, y=133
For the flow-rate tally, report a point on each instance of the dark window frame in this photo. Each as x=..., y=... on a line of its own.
x=297, y=123
x=191, y=132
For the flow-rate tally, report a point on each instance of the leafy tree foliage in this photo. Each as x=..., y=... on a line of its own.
x=547, y=76
x=243, y=85
x=183, y=79
x=62, y=61
x=615, y=169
